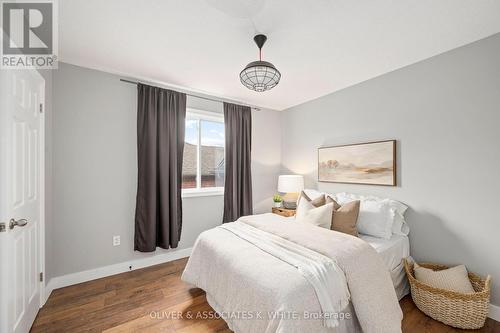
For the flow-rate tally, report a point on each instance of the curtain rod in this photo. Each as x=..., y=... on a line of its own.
x=197, y=96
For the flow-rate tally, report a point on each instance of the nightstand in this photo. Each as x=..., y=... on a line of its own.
x=284, y=212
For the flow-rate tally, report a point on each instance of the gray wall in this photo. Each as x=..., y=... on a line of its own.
x=95, y=171
x=445, y=114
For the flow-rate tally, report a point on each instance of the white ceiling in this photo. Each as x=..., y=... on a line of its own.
x=320, y=46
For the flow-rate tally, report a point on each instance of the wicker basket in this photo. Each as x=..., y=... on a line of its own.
x=466, y=311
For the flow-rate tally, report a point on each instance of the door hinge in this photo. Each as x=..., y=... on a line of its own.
x=41, y=276
x=3, y=227
x=41, y=108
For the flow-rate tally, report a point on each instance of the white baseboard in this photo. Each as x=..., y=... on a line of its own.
x=494, y=312
x=97, y=273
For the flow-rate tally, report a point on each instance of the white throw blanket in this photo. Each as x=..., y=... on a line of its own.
x=238, y=276
x=321, y=272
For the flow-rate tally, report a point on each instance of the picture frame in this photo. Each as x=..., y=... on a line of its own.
x=367, y=163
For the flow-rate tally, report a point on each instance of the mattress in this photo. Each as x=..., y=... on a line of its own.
x=392, y=250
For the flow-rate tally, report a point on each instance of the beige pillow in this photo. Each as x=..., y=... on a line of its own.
x=317, y=202
x=454, y=278
x=319, y=216
x=345, y=217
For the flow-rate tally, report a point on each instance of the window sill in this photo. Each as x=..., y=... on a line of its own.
x=198, y=193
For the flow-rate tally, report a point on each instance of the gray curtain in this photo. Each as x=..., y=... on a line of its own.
x=238, y=181
x=161, y=117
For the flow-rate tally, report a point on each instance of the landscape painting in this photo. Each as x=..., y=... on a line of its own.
x=365, y=163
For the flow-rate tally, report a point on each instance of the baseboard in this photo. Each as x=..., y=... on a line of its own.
x=494, y=312
x=97, y=273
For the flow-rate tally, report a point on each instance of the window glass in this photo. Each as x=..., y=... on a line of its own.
x=203, y=163
x=212, y=154
x=190, y=159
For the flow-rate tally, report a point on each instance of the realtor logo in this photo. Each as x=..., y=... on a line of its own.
x=29, y=34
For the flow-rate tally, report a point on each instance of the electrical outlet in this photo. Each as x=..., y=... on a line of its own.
x=116, y=240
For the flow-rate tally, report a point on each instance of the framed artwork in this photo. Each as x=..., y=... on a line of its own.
x=371, y=163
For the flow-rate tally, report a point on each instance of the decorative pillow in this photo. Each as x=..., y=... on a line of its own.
x=319, y=216
x=454, y=278
x=345, y=217
x=312, y=194
x=316, y=201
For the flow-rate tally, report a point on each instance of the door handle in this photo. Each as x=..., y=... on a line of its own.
x=19, y=223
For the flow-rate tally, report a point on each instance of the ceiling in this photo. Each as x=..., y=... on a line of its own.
x=319, y=46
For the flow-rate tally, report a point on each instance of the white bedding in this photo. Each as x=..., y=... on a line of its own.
x=238, y=276
x=392, y=250
x=322, y=273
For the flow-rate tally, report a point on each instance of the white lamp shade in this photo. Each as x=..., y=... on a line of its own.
x=290, y=183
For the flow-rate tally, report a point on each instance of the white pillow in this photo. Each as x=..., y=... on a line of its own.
x=454, y=278
x=318, y=216
x=399, y=226
x=398, y=206
x=375, y=218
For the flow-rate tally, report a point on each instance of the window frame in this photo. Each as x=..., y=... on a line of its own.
x=200, y=115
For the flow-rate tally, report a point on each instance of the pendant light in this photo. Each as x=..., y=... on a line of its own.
x=260, y=75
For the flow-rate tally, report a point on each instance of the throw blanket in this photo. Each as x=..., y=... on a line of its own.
x=321, y=272
x=239, y=276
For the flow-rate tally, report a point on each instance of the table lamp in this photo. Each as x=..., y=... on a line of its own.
x=290, y=185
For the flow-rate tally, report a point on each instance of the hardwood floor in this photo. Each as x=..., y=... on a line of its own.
x=139, y=301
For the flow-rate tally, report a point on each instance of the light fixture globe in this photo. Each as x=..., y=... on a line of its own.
x=260, y=75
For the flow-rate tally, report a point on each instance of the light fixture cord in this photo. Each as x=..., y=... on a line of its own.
x=260, y=54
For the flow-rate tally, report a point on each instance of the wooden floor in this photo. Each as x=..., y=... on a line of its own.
x=138, y=301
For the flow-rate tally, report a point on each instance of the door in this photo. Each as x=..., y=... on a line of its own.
x=21, y=198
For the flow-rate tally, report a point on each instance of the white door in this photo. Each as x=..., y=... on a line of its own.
x=21, y=198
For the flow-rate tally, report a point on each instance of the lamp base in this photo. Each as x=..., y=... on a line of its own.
x=290, y=200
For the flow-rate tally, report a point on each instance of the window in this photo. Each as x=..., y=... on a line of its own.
x=203, y=164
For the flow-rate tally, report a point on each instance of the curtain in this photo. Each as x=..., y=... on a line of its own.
x=238, y=179
x=161, y=117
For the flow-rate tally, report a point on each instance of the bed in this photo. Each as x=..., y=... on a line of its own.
x=255, y=291
x=392, y=252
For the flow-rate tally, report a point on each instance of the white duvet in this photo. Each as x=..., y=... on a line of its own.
x=263, y=290
x=322, y=273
